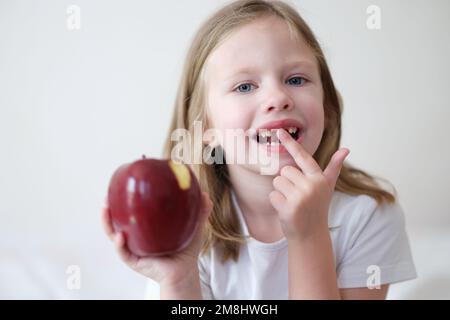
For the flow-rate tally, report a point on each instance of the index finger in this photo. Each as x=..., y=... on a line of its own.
x=301, y=157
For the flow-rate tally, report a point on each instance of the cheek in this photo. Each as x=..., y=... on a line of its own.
x=315, y=120
x=228, y=114
x=229, y=118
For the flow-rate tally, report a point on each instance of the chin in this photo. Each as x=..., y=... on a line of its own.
x=283, y=161
x=275, y=170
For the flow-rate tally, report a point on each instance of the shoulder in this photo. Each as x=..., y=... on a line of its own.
x=369, y=235
x=344, y=205
x=346, y=208
x=357, y=213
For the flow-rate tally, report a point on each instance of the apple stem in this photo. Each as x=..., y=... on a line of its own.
x=143, y=156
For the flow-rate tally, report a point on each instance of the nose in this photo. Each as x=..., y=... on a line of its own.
x=278, y=100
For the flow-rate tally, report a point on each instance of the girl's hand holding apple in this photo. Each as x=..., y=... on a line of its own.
x=154, y=213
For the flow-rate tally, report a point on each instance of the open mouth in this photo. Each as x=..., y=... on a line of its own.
x=266, y=136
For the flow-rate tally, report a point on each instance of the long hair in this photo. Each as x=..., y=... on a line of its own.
x=223, y=229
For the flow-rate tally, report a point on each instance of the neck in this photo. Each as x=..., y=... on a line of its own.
x=252, y=192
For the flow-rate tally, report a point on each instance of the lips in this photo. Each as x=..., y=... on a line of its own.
x=267, y=132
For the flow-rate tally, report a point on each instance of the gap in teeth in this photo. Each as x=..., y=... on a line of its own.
x=267, y=133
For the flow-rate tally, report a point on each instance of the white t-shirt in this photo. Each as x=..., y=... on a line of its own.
x=370, y=244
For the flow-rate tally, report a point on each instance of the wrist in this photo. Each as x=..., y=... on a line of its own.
x=311, y=268
x=187, y=288
x=311, y=236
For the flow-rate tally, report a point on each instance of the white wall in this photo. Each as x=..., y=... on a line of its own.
x=76, y=104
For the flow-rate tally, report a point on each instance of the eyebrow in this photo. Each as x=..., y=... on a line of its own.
x=300, y=63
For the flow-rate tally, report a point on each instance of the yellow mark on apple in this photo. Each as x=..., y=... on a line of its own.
x=182, y=174
x=133, y=220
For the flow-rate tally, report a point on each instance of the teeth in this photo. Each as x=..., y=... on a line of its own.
x=264, y=133
x=292, y=130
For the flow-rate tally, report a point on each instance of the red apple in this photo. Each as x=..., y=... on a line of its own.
x=156, y=204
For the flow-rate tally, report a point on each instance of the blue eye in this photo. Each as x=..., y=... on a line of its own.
x=244, y=85
x=247, y=86
x=297, y=81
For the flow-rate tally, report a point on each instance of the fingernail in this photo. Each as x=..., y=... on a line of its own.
x=347, y=153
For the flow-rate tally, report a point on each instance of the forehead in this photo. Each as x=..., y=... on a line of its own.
x=259, y=43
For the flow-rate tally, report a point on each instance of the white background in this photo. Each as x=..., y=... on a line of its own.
x=75, y=104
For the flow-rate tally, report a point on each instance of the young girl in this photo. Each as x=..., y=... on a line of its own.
x=315, y=229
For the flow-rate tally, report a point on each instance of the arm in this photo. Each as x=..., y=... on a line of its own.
x=312, y=274
x=302, y=198
x=365, y=293
x=188, y=289
x=311, y=269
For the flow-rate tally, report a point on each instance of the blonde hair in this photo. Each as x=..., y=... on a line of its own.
x=222, y=229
